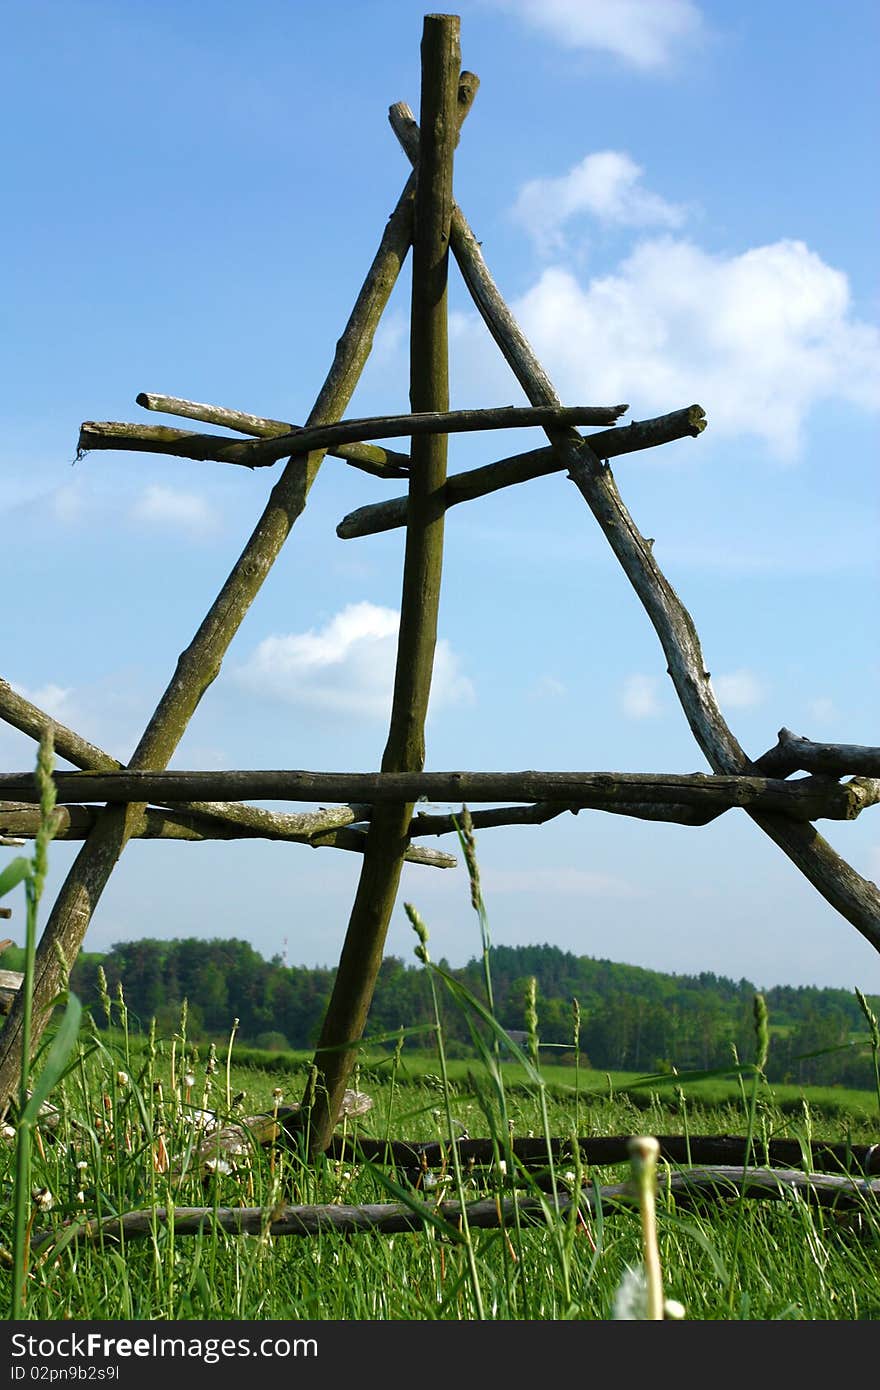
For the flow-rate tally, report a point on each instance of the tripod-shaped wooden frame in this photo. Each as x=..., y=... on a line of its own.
x=377, y=819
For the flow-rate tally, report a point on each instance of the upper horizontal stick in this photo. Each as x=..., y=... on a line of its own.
x=162, y=439
x=809, y=798
x=521, y=468
x=219, y=448
x=263, y=427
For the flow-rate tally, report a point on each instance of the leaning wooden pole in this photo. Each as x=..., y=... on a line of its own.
x=200, y=663
x=854, y=897
x=405, y=750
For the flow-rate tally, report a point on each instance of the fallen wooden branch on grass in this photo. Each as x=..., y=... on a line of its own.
x=601, y=1150
x=694, y=1187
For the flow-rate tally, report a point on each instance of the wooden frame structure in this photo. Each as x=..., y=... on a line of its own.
x=106, y=804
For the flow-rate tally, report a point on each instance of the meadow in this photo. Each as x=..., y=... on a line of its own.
x=119, y=1194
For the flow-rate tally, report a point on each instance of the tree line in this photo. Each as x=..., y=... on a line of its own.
x=622, y=1017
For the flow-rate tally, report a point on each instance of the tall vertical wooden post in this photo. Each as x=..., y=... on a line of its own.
x=405, y=750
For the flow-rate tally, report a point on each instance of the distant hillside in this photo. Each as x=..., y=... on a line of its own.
x=629, y=1018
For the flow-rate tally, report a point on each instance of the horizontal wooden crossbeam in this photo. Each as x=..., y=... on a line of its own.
x=808, y=798
x=521, y=468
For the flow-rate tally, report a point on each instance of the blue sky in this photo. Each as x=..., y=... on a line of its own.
x=679, y=202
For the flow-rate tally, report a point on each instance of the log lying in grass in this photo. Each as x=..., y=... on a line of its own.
x=600, y=1150
x=696, y=1187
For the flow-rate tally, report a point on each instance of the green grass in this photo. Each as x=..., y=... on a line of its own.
x=791, y=1260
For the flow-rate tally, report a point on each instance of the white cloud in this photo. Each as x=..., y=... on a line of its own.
x=640, y=697
x=51, y=699
x=738, y=689
x=605, y=185
x=758, y=339
x=167, y=506
x=643, y=33
x=347, y=667
x=579, y=883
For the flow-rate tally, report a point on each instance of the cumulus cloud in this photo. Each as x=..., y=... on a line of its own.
x=347, y=667
x=165, y=506
x=758, y=338
x=606, y=185
x=644, y=34
x=738, y=689
x=51, y=699
x=641, y=699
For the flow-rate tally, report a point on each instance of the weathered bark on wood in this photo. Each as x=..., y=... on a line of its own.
x=521, y=468
x=192, y=820
x=601, y=1150
x=200, y=663
x=152, y=823
x=387, y=462
x=433, y=422
x=10, y=984
x=807, y=798
x=794, y=754
x=163, y=439
x=667, y=812
x=376, y=893
x=212, y=448
x=690, y=1188
x=854, y=897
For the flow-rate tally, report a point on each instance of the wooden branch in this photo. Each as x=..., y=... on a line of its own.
x=854, y=897
x=162, y=439
x=376, y=893
x=200, y=662
x=668, y=812
x=432, y=422
x=805, y=799
x=793, y=754
x=190, y=821
x=689, y=1188
x=415, y=1155
x=218, y=448
x=75, y=822
x=520, y=468
x=371, y=457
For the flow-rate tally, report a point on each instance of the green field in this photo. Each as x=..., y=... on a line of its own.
x=124, y=1101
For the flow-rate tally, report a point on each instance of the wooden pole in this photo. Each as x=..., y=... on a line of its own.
x=405, y=750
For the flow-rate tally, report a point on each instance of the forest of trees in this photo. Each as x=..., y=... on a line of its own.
x=631, y=1019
